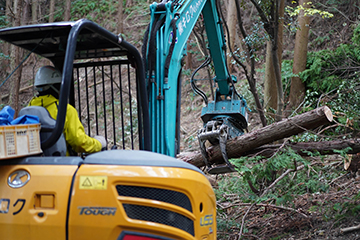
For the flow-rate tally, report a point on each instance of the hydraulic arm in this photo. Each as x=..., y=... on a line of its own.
x=164, y=47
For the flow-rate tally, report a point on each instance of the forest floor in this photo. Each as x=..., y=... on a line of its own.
x=320, y=215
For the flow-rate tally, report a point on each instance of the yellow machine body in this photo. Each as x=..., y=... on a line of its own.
x=117, y=194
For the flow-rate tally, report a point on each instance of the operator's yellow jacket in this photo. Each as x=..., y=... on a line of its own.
x=74, y=132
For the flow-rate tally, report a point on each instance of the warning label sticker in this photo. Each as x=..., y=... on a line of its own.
x=93, y=182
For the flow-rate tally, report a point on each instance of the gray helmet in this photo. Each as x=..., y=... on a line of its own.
x=46, y=77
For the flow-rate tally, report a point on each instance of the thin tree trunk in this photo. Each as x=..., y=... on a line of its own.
x=250, y=75
x=15, y=60
x=34, y=11
x=231, y=23
x=276, y=60
x=26, y=12
x=67, y=11
x=120, y=26
x=270, y=91
x=297, y=87
x=52, y=11
x=6, y=46
x=271, y=25
x=279, y=87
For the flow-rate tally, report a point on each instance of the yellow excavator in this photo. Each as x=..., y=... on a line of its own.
x=135, y=189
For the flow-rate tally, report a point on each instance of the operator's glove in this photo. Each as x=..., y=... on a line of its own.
x=103, y=142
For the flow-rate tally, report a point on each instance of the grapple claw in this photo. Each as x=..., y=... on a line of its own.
x=215, y=131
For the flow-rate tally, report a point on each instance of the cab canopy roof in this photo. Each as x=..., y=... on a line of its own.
x=50, y=40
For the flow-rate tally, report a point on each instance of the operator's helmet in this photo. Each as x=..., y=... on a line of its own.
x=46, y=77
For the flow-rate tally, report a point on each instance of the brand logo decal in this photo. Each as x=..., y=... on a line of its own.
x=206, y=220
x=18, y=178
x=104, y=211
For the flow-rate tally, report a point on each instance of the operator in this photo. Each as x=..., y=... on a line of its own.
x=47, y=84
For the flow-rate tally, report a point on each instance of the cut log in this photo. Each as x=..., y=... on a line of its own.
x=352, y=163
x=302, y=148
x=288, y=127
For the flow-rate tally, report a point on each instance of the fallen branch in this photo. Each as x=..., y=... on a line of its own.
x=350, y=229
x=243, y=220
x=302, y=148
x=265, y=205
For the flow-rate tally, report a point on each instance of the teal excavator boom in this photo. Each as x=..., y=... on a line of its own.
x=164, y=48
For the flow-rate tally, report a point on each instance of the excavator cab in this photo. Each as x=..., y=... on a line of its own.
x=126, y=192
x=102, y=77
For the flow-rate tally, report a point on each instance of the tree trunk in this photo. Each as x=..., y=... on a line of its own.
x=276, y=131
x=297, y=87
x=274, y=96
x=34, y=11
x=250, y=75
x=26, y=12
x=67, y=11
x=120, y=26
x=270, y=92
x=52, y=11
x=15, y=60
x=231, y=23
x=6, y=46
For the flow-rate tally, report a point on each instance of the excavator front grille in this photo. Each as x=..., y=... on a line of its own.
x=158, y=215
x=164, y=195
x=161, y=216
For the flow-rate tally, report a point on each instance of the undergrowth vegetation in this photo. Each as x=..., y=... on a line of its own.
x=331, y=79
x=281, y=181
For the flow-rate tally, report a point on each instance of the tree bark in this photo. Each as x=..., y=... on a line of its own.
x=120, y=26
x=15, y=60
x=52, y=11
x=238, y=146
x=34, y=11
x=6, y=46
x=270, y=92
x=26, y=12
x=231, y=17
x=276, y=59
x=67, y=11
x=297, y=87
